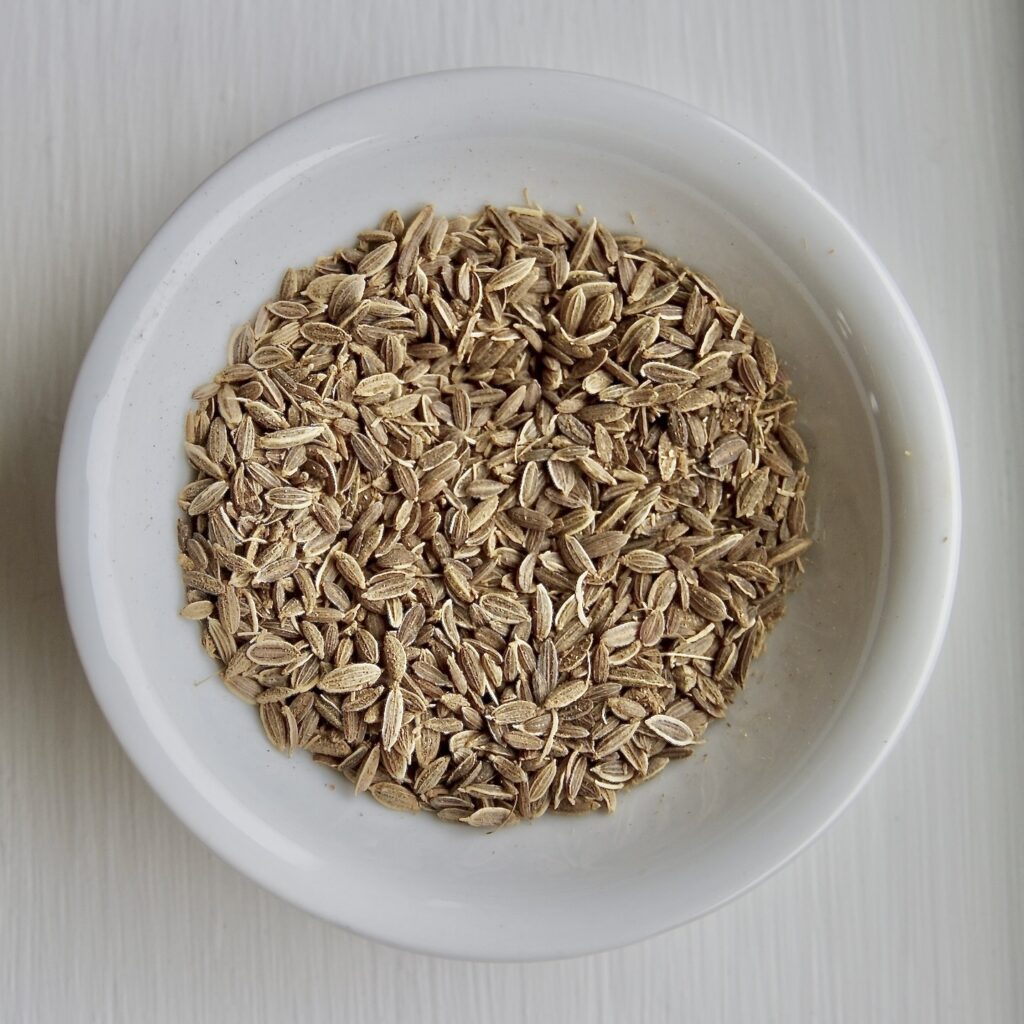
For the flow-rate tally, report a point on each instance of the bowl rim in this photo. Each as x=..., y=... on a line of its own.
x=106, y=349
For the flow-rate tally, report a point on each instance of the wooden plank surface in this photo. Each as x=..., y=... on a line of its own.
x=909, y=116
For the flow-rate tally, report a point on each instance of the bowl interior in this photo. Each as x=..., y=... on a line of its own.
x=822, y=701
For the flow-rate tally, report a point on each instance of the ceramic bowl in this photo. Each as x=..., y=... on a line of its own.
x=841, y=674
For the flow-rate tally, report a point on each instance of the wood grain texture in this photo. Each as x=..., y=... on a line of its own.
x=909, y=116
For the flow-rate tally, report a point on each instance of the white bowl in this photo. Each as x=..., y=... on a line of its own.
x=841, y=674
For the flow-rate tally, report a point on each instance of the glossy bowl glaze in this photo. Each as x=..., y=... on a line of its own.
x=841, y=674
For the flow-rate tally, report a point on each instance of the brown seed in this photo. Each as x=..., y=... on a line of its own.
x=204, y=582
x=707, y=604
x=644, y=561
x=377, y=259
x=727, y=451
x=672, y=730
x=543, y=613
x=575, y=555
x=346, y=295
x=276, y=726
x=394, y=708
x=503, y=607
x=290, y=437
x=197, y=610
x=208, y=498
x=370, y=454
x=289, y=497
x=458, y=584
x=546, y=674
x=510, y=275
x=271, y=651
x=376, y=387
x=349, y=678
x=626, y=708
x=751, y=493
x=350, y=569
x=790, y=550
x=492, y=514
x=275, y=570
x=514, y=712
x=530, y=519
x=368, y=770
x=621, y=635
x=488, y=817
x=388, y=585
x=792, y=443
x=393, y=657
x=394, y=797
x=566, y=694
x=766, y=361
x=229, y=610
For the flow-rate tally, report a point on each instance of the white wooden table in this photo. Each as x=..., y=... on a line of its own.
x=908, y=115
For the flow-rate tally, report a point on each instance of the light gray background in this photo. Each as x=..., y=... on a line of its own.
x=909, y=116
